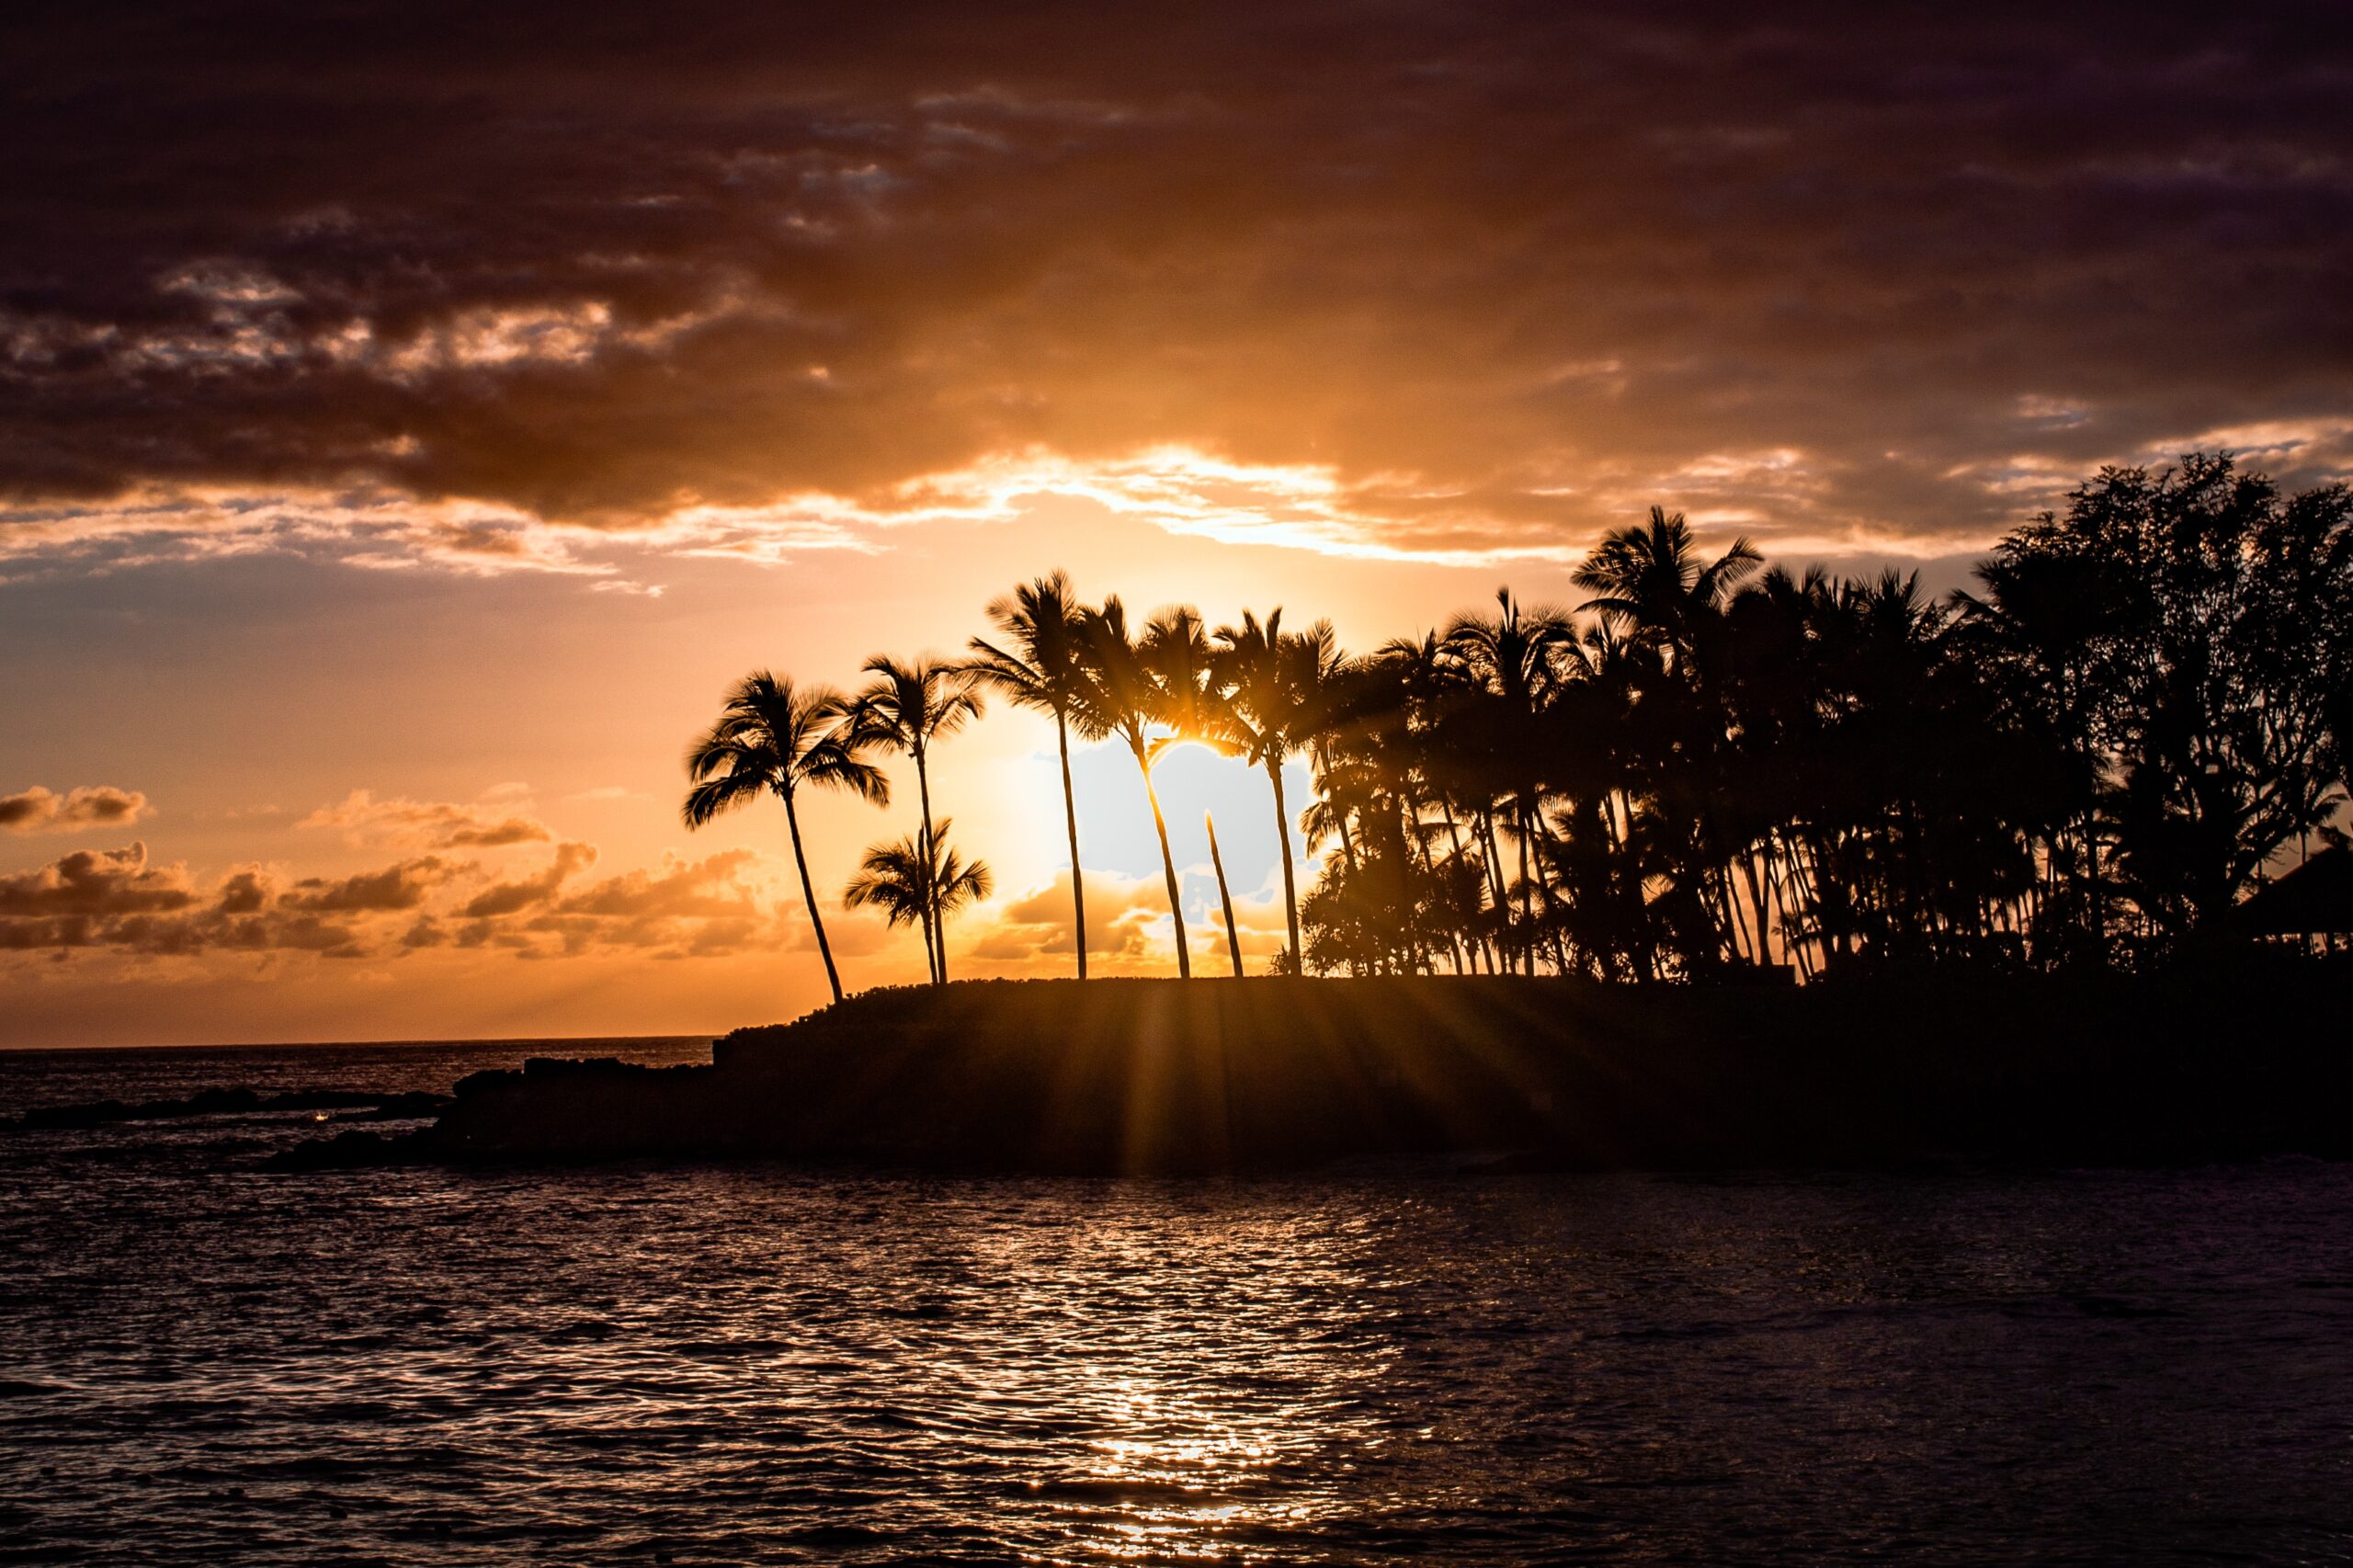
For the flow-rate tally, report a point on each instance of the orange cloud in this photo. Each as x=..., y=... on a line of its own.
x=438, y=824
x=90, y=805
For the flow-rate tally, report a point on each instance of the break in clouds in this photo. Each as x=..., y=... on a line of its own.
x=1445, y=281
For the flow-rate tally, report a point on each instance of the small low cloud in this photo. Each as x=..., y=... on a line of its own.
x=95, y=883
x=403, y=886
x=1125, y=920
x=525, y=892
x=434, y=825
x=38, y=810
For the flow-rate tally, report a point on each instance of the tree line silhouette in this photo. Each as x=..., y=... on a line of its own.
x=1706, y=766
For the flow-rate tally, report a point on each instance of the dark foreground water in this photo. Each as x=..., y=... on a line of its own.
x=202, y=1363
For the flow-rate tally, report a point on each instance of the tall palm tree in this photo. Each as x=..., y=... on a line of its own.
x=772, y=739
x=1186, y=700
x=1273, y=682
x=1038, y=667
x=919, y=880
x=1124, y=697
x=906, y=708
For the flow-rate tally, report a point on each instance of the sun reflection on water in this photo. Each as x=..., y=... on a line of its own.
x=1201, y=1376
x=755, y=1366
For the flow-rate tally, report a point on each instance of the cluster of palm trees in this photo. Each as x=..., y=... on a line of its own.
x=1252, y=691
x=1707, y=764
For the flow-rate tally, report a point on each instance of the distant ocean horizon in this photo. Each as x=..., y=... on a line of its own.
x=65, y=1074
x=6, y=1048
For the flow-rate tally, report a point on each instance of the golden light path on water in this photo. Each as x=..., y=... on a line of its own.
x=203, y=1362
x=1209, y=1407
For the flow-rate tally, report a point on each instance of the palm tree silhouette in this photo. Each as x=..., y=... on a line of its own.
x=906, y=708
x=1123, y=696
x=1040, y=666
x=772, y=739
x=1653, y=580
x=921, y=882
x=1274, y=682
x=1515, y=660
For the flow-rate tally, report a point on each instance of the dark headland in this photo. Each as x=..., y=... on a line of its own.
x=2228, y=1061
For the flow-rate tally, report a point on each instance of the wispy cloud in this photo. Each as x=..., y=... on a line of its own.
x=361, y=818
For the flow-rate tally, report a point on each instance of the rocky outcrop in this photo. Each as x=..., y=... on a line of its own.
x=1168, y=1076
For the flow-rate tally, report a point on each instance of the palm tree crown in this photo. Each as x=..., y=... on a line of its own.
x=1653, y=578
x=906, y=708
x=772, y=739
x=918, y=880
x=1274, y=684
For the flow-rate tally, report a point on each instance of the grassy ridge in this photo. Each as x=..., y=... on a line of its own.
x=1219, y=1076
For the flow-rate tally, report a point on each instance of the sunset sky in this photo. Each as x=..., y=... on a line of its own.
x=413, y=417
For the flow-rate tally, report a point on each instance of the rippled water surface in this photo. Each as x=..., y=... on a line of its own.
x=203, y=1363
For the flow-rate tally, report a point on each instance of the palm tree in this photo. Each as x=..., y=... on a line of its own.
x=1517, y=659
x=1040, y=667
x=906, y=708
x=1652, y=579
x=919, y=880
x=772, y=739
x=1273, y=683
x=1124, y=697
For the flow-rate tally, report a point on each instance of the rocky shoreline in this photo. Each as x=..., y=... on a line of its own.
x=1148, y=1076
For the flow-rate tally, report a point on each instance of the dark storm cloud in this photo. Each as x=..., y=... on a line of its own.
x=1506, y=269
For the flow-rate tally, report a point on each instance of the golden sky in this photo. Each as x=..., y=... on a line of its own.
x=411, y=420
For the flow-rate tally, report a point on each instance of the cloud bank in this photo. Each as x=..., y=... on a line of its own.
x=431, y=284
x=469, y=893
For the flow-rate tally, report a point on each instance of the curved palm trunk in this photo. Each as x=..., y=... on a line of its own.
x=1168, y=866
x=934, y=938
x=1070, y=818
x=1423, y=858
x=1527, y=897
x=808, y=897
x=930, y=954
x=1282, y=837
x=1492, y=860
x=1454, y=835
x=1759, y=906
x=1225, y=898
x=1531, y=810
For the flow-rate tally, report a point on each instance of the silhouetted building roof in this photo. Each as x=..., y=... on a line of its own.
x=2316, y=897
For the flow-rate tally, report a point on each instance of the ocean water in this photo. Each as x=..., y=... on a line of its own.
x=204, y=1363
